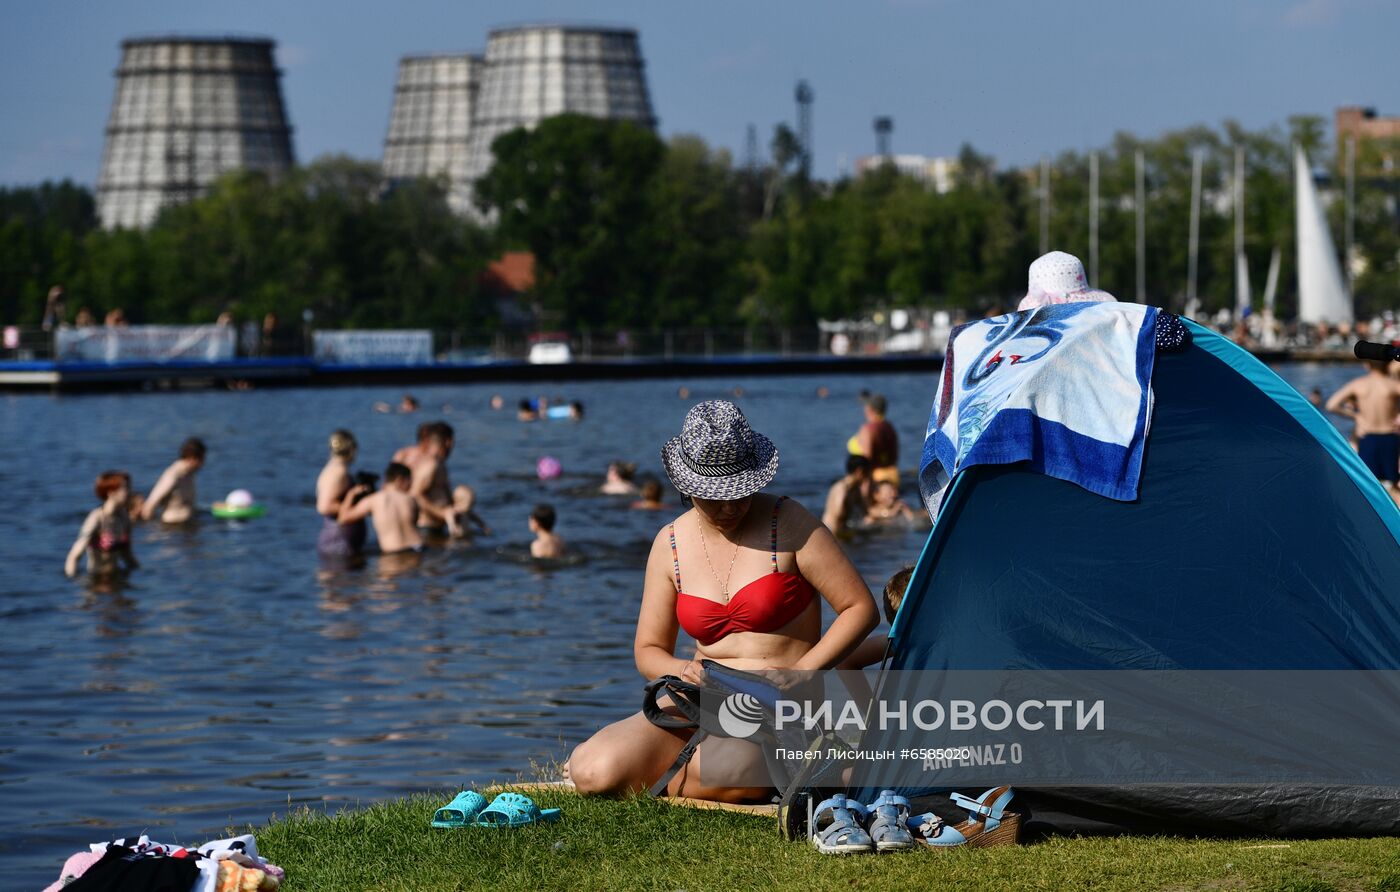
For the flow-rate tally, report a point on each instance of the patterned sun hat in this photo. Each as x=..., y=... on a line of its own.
x=718, y=456
x=1058, y=278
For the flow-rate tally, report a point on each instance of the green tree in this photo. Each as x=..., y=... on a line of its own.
x=575, y=191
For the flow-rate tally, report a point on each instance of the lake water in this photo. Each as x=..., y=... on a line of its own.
x=234, y=677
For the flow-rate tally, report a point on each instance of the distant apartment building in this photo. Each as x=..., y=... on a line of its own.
x=1363, y=124
x=939, y=173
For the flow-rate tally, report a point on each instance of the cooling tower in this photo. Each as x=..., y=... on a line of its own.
x=536, y=71
x=188, y=109
x=432, y=120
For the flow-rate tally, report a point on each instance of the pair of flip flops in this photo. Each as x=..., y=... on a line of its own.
x=469, y=809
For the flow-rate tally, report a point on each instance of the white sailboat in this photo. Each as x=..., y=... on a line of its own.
x=1322, y=293
x=1268, y=334
x=1243, y=298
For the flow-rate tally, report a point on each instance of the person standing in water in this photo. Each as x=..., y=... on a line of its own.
x=846, y=500
x=106, y=532
x=1372, y=402
x=173, y=495
x=877, y=441
x=393, y=510
x=441, y=506
x=332, y=487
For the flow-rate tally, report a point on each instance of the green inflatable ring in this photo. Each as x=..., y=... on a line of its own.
x=230, y=512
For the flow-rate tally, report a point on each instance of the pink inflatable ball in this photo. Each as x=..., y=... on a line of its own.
x=548, y=468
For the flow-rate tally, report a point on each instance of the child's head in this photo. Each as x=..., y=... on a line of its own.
x=886, y=493
x=894, y=592
x=112, y=483
x=651, y=491
x=542, y=519
x=192, y=450
x=398, y=476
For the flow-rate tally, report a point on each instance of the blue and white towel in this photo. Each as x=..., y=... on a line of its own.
x=1066, y=387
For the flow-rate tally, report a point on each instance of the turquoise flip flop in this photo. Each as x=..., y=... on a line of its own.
x=514, y=810
x=461, y=811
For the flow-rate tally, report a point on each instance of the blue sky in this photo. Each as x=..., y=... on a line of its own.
x=1016, y=79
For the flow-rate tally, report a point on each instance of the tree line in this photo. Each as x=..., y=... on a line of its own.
x=629, y=231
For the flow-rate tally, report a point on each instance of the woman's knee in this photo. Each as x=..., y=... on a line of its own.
x=595, y=770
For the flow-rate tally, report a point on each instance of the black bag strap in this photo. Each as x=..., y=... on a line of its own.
x=683, y=696
x=682, y=759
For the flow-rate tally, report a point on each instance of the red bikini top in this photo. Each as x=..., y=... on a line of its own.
x=765, y=605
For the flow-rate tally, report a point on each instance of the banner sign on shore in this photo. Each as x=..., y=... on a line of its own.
x=404, y=347
x=205, y=343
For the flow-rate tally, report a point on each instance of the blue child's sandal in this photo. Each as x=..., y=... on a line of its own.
x=514, y=810
x=988, y=823
x=889, y=828
x=461, y=811
x=836, y=827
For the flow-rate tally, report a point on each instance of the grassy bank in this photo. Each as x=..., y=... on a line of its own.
x=643, y=844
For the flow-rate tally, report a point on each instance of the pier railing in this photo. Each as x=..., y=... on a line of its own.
x=32, y=343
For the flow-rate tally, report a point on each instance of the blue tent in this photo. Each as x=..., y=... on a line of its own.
x=1258, y=541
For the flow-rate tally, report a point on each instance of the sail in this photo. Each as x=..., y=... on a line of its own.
x=1322, y=293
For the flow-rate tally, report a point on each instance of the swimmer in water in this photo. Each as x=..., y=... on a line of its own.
x=106, y=532
x=440, y=505
x=845, y=501
x=886, y=505
x=498, y=402
x=546, y=543
x=618, y=481
x=173, y=495
x=409, y=403
x=651, y=497
x=393, y=511
x=526, y=411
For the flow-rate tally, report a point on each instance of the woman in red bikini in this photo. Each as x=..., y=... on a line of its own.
x=743, y=573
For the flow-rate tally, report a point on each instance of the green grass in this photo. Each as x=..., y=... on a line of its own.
x=644, y=844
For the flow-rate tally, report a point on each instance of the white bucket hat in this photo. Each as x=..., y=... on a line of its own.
x=1058, y=278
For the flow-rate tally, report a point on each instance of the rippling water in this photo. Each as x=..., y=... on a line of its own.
x=234, y=677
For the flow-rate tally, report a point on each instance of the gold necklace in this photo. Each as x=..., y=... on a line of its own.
x=723, y=584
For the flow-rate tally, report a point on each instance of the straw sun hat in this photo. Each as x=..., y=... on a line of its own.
x=718, y=456
x=1058, y=278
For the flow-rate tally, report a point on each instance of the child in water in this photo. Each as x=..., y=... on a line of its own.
x=106, y=533
x=872, y=650
x=886, y=505
x=651, y=497
x=546, y=544
x=392, y=510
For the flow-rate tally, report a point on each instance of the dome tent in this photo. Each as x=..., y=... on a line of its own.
x=1258, y=541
